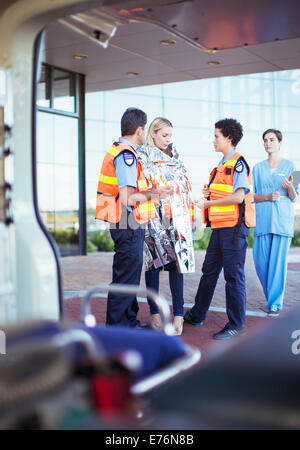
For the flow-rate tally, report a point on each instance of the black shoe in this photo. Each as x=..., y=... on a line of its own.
x=188, y=318
x=273, y=312
x=228, y=333
x=141, y=326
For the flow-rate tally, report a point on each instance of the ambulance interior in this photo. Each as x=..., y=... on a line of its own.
x=56, y=375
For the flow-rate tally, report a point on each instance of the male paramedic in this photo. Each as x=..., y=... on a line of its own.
x=125, y=201
x=229, y=211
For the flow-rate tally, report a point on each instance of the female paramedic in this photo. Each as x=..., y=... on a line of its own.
x=168, y=238
x=274, y=194
x=229, y=211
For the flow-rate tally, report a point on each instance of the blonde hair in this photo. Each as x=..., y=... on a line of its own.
x=157, y=124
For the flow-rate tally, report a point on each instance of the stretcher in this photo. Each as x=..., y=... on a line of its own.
x=186, y=356
x=115, y=367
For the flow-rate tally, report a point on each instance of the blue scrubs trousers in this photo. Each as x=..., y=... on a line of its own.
x=176, y=287
x=227, y=251
x=122, y=309
x=270, y=259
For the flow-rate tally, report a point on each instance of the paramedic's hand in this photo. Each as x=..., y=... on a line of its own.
x=205, y=191
x=287, y=183
x=273, y=196
x=200, y=203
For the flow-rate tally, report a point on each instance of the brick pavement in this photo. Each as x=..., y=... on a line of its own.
x=82, y=272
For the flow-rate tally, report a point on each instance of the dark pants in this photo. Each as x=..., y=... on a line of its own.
x=122, y=309
x=176, y=286
x=224, y=251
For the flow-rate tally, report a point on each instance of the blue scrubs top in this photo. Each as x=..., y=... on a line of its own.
x=275, y=217
x=126, y=170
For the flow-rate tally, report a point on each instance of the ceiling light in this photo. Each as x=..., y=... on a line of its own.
x=168, y=42
x=213, y=63
x=132, y=74
x=80, y=56
x=96, y=25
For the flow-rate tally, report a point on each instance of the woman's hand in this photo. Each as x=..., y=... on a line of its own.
x=287, y=183
x=273, y=196
x=164, y=192
x=201, y=203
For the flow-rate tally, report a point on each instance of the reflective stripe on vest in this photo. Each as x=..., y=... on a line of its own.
x=222, y=208
x=108, y=180
x=221, y=187
x=115, y=151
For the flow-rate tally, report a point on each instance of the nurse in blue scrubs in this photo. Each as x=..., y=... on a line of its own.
x=274, y=195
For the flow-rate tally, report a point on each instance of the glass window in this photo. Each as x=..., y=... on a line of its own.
x=189, y=113
x=112, y=133
x=189, y=140
x=44, y=87
x=290, y=145
x=45, y=178
x=65, y=140
x=288, y=92
x=288, y=118
x=287, y=74
x=259, y=101
x=94, y=135
x=58, y=184
x=116, y=102
x=154, y=90
x=93, y=165
x=94, y=105
x=45, y=133
x=64, y=89
x=251, y=145
x=195, y=89
x=232, y=89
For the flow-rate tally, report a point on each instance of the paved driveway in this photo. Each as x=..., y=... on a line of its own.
x=82, y=272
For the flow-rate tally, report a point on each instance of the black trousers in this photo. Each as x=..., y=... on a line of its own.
x=227, y=251
x=122, y=309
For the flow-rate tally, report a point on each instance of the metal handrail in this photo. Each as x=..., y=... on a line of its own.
x=159, y=300
x=179, y=365
x=191, y=357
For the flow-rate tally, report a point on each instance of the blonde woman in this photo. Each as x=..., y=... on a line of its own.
x=168, y=239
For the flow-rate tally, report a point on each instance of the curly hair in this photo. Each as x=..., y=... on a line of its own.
x=230, y=128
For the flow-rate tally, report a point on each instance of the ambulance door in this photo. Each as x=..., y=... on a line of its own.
x=30, y=278
x=7, y=227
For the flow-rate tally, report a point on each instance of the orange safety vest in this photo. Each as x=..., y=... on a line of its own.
x=220, y=186
x=108, y=204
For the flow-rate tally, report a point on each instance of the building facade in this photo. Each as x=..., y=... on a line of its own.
x=258, y=101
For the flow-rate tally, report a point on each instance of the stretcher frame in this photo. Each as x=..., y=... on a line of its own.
x=191, y=357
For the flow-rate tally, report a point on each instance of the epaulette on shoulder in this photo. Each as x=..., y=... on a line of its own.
x=239, y=161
